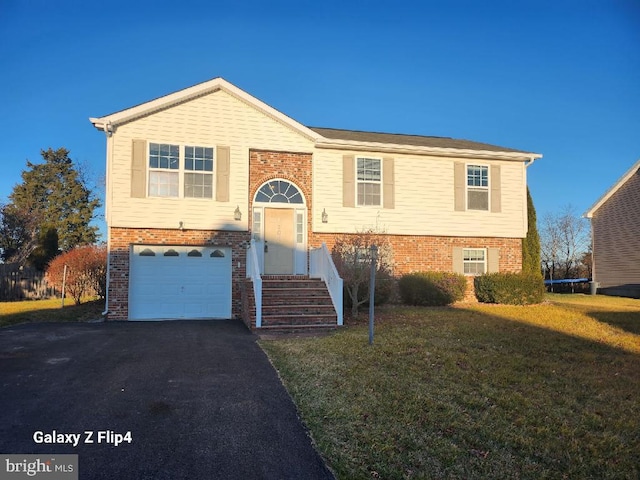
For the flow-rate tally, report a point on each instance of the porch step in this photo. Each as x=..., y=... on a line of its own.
x=303, y=286
x=308, y=319
x=296, y=303
x=297, y=308
x=297, y=329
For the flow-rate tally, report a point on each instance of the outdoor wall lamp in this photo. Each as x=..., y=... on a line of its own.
x=237, y=214
x=181, y=225
x=325, y=217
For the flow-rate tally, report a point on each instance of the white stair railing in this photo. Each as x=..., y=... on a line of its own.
x=321, y=266
x=253, y=272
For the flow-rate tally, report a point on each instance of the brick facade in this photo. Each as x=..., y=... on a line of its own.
x=296, y=167
x=410, y=253
x=413, y=253
x=121, y=240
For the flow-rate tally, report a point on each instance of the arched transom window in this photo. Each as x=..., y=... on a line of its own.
x=279, y=191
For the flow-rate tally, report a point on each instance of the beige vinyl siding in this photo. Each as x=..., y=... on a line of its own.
x=218, y=120
x=424, y=199
x=616, y=237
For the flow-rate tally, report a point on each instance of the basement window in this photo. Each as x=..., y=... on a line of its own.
x=474, y=261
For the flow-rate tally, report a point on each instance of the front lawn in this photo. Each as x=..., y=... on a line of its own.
x=483, y=391
x=49, y=311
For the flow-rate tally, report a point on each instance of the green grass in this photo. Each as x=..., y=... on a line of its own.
x=29, y=311
x=483, y=391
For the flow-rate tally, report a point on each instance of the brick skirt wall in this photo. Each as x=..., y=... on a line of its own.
x=414, y=253
x=420, y=253
x=121, y=240
x=410, y=254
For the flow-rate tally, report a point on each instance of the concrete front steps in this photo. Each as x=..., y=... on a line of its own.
x=296, y=304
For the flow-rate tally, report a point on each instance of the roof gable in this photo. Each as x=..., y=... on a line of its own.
x=190, y=93
x=609, y=193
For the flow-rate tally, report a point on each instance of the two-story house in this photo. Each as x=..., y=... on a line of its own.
x=208, y=186
x=615, y=236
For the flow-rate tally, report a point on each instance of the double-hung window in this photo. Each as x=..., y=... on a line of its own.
x=369, y=182
x=477, y=187
x=474, y=261
x=164, y=165
x=180, y=171
x=198, y=176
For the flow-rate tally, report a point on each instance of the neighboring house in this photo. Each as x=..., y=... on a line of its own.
x=615, y=234
x=209, y=183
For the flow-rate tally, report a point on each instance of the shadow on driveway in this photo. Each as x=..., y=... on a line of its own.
x=200, y=399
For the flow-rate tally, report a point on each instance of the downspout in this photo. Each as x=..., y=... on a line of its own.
x=108, y=130
x=529, y=162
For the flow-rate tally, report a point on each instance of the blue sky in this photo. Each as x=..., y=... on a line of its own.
x=560, y=78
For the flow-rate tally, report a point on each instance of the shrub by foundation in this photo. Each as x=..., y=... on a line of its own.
x=509, y=288
x=432, y=288
x=383, y=291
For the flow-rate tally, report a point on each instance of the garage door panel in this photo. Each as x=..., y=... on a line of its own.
x=190, y=283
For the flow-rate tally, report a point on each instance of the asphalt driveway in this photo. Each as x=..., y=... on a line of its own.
x=198, y=400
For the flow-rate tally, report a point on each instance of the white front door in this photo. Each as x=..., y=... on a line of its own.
x=279, y=240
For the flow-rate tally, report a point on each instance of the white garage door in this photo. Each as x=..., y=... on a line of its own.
x=173, y=282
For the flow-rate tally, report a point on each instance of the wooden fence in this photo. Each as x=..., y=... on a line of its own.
x=20, y=283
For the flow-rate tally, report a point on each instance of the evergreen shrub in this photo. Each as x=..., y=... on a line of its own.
x=509, y=288
x=432, y=288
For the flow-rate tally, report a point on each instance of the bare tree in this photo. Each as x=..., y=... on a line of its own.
x=549, y=246
x=564, y=242
x=352, y=256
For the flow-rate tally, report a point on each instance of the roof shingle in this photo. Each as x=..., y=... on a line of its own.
x=413, y=140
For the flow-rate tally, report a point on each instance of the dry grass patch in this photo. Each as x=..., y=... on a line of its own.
x=50, y=310
x=478, y=392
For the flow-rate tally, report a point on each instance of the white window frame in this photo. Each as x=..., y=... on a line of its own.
x=256, y=228
x=484, y=261
x=181, y=170
x=478, y=188
x=162, y=170
x=198, y=172
x=299, y=226
x=364, y=182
